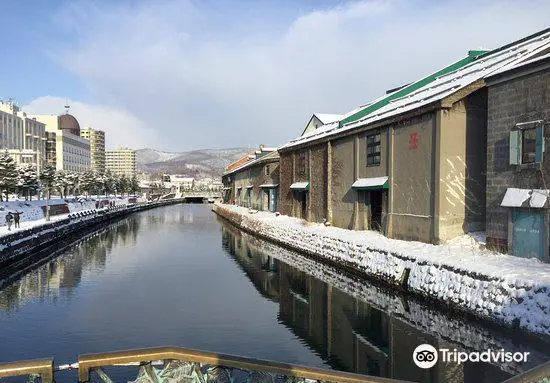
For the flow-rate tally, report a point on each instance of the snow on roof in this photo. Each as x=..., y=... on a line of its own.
x=438, y=85
x=515, y=197
x=269, y=185
x=273, y=155
x=327, y=118
x=369, y=182
x=538, y=198
x=522, y=63
x=300, y=186
x=518, y=197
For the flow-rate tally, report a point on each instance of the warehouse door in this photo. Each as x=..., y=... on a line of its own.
x=528, y=234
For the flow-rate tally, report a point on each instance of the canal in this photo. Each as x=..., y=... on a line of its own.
x=179, y=275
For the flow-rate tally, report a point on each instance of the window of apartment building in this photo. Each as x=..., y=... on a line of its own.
x=527, y=143
x=266, y=170
x=373, y=149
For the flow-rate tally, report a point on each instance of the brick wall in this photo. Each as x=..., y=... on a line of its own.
x=510, y=102
x=285, y=180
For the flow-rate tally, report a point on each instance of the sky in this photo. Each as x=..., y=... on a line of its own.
x=178, y=75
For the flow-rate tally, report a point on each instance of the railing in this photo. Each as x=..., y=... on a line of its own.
x=42, y=368
x=534, y=375
x=87, y=363
x=193, y=360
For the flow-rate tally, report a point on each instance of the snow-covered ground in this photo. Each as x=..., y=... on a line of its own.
x=449, y=328
x=33, y=214
x=460, y=273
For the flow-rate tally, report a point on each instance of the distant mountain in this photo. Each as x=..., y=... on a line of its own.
x=193, y=163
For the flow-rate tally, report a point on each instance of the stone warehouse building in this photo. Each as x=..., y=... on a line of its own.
x=254, y=183
x=517, y=162
x=411, y=163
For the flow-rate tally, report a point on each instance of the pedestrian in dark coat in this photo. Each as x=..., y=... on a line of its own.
x=17, y=218
x=9, y=220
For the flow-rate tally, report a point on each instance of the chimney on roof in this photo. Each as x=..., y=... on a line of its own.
x=261, y=146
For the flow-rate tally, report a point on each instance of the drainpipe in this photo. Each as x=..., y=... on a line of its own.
x=309, y=198
x=437, y=134
x=329, y=182
x=355, y=177
x=391, y=165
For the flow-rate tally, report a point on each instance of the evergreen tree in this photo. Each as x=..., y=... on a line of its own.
x=28, y=181
x=108, y=183
x=88, y=182
x=124, y=184
x=47, y=179
x=73, y=183
x=134, y=185
x=9, y=175
x=61, y=183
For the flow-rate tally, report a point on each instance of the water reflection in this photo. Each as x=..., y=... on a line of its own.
x=360, y=327
x=60, y=276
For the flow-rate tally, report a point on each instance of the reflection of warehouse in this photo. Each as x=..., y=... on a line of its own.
x=347, y=332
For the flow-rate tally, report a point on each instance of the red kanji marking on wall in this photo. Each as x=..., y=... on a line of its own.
x=413, y=140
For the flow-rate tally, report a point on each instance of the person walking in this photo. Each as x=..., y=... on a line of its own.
x=17, y=218
x=9, y=220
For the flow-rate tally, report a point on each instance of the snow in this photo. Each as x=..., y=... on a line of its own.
x=299, y=186
x=33, y=214
x=441, y=87
x=451, y=328
x=269, y=185
x=490, y=285
x=538, y=198
x=369, y=182
x=326, y=118
x=515, y=197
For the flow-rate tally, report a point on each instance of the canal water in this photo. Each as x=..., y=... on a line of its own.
x=180, y=275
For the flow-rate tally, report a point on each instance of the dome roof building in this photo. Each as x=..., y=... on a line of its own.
x=68, y=122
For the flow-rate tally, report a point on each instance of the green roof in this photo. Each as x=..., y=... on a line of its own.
x=472, y=56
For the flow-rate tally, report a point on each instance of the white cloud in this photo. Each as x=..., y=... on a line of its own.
x=202, y=84
x=121, y=127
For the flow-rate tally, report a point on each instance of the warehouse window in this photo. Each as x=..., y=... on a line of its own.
x=373, y=149
x=527, y=144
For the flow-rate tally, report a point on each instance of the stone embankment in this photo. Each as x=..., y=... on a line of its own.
x=504, y=289
x=16, y=247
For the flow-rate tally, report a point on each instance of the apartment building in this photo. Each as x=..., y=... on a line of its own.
x=97, y=148
x=121, y=161
x=22, y=136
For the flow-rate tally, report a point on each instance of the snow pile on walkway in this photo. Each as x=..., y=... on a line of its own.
x=495, y=286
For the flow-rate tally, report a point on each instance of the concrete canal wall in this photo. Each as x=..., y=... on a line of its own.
x=511, y=291
x=17, y=246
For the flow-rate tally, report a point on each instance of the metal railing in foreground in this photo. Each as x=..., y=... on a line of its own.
x=541, y=373
x=217, y=363
x=193, y=365
x=42, y=368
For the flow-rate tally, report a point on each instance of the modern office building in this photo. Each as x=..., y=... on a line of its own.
x=121, y=161
x=11, y=126
x=22, y=136
x=97, y=148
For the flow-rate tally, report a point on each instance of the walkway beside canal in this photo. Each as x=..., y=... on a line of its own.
x=505, y=289
x=38, y=235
